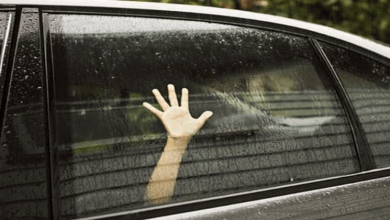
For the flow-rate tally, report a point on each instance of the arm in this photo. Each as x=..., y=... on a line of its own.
x=181, y=127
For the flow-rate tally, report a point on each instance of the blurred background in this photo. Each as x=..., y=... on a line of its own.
x=367, y=18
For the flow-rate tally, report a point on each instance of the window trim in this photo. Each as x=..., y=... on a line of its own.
x=211, y=202
x=51, y=154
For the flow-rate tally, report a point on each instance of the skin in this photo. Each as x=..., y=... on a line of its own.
x=180, y=127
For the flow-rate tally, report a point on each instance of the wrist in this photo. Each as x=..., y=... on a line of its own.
x=177, y=143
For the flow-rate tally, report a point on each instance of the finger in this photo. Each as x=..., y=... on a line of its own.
x=184, y=98
x=172, y=96
x=203, y=118
x=164, y=105
x=154, y=110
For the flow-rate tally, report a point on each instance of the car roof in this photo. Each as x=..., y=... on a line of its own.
x=369, y=45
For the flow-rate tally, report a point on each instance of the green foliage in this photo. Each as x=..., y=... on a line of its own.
x=368, y=18
x=214, y=3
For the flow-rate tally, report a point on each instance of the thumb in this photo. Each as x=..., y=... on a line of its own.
x=203, y=118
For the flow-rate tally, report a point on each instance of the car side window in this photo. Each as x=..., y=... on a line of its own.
x=22, y=155
x=6, y=20
x=276, y=117
x=367, y=83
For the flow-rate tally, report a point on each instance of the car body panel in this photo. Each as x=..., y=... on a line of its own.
x=363, y=200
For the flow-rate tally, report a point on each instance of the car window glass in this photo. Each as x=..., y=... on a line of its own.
x=276, y=119
x=22, y=170
x=6, y=19
x=3, y=26
x=368, y=85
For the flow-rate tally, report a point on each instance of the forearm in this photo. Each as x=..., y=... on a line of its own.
x=162, y=182
x=180, y=126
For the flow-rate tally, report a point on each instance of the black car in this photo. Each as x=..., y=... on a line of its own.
x=300, y=126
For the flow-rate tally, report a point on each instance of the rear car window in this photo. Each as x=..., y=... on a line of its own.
x=367, y=83
x=276, y=118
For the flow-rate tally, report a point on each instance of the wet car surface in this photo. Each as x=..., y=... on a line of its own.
x=298, y=108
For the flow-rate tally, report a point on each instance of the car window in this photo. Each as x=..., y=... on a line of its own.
x=22, y=171
x=367, y=83
x=6, y=20
x=276, y=118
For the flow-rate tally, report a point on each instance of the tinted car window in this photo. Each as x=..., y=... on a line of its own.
x=276, y=119
x=367, y=83
x=22, y=170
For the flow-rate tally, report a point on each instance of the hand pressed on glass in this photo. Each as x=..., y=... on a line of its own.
x=181, y=127
x=177, y=119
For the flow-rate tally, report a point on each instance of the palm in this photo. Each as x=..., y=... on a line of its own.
x=179, y=122
x=177, y=119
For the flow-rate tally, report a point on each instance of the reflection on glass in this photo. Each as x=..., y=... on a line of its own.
x=6, y=20
x=22, y=170
x=368, y=85
x=276, y=118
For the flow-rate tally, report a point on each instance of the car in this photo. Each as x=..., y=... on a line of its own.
x=300, y=126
